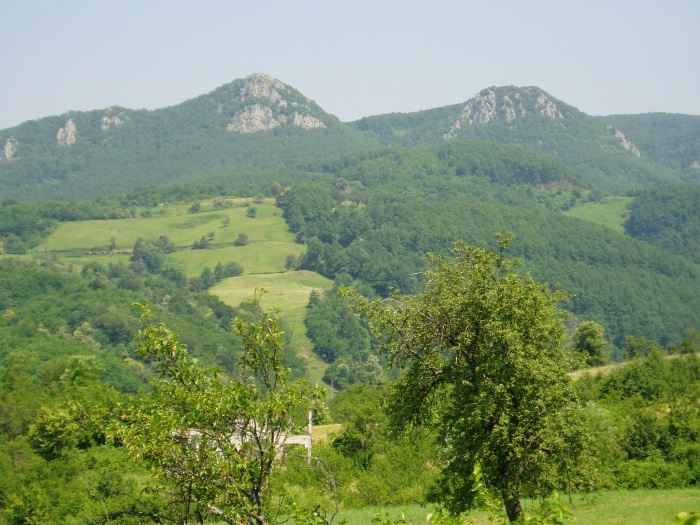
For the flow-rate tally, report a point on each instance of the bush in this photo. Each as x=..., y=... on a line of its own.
x=651, y=474
x=689, y=455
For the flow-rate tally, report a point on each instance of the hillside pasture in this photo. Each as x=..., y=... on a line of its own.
x=263, y=258
x=257, y=257
x=289, y=292
x=181, y=228
x=269, y=240
x=611, y=212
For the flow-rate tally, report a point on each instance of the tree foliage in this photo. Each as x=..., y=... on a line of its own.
x=481, y=348
x=668, y=217
x=213, y=442
x=590, y=343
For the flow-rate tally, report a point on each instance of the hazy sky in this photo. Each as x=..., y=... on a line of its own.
x=354, y=58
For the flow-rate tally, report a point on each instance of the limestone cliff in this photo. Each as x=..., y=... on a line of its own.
x=624, y=142
x=504, y=104
x=67, y=134
x=253, y=119
x=268, y=104
x=110, y=118
x=10, y=150
x=262, y=86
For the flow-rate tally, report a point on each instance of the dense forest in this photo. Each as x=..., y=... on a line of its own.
x=668, y=217
x=380, y=237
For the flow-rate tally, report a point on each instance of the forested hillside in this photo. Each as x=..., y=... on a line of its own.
x=668, y=217
x=533, y=119
x=251, y=123
x=258, y=123
x=375, y=220
x=669, y=139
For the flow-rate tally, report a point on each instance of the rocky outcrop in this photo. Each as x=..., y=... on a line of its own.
x=253, y=119
x=306, y=121
x=110, y=119
x=10, y=149
x=547, y=107
x=629, y=146
x=67, y=134
x=261, y=118
x=267, y=108
x=488, y=107
x=262, y=86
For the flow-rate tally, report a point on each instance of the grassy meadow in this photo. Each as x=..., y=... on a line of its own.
x=174, y=221
x=634, y=507
x=263, y=258
x=611, y=212
x=289, y=292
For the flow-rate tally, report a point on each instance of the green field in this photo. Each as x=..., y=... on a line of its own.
x=289, y=292
x=638, y=507
x=269, y=239
x=258, y=257
x=173, y=221
x=263, y=259
x=611, y=212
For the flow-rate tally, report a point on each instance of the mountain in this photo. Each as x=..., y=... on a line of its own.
x=258, y=123
x=531, y=118
x=252, y=123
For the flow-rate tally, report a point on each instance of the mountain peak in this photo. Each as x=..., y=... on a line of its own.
x=507, y=104
x=260, y=102
x=260, y=85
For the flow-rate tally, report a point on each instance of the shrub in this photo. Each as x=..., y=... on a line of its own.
x=651, y=474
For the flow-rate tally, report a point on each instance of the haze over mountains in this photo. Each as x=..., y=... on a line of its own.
x=261, y=123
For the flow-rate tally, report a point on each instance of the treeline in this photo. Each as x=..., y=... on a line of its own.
x=23, y=225
x=343, y=340
x=648, y=421
x=55, y=313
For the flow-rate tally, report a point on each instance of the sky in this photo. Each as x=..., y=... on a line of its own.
x=354, y=58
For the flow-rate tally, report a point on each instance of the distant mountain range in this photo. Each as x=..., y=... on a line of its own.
x=259, y=123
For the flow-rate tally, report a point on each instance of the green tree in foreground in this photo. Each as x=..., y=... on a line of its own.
x=210, y=441
x=482, y=352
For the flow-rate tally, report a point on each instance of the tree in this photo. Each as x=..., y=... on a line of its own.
x=213, y=442
x=146, y=257
x=201, y=244
x=241, y=240
x=589, y=341
x=292, y=262
x=481, y=349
